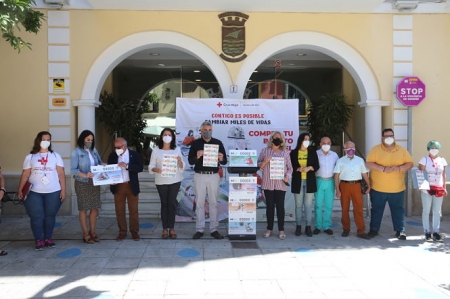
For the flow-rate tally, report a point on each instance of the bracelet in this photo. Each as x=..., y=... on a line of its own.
x=3, y=189
x=384, y=168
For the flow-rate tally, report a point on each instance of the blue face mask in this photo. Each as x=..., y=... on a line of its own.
x=207, y=134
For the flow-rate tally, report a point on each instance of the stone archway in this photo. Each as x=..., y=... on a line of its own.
x=355, y=64
x=130, y=45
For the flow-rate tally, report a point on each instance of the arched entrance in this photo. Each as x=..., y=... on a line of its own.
x=337, y=49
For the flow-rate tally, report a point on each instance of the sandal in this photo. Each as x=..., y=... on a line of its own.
x=281, y=235
x=165, y=234
x=88, y=239
x=3, y=253
x=267, y=234
x=94, y=237
x=172, y=233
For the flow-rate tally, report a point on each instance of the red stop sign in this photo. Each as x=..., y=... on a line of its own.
x=411, y=91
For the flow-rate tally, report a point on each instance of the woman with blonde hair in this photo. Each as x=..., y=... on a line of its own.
x=275, y=180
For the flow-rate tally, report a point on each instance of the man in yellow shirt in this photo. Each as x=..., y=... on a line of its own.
x=388, y=163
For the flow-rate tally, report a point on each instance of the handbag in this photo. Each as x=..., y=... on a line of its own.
x=364, y=187
x=436, y=191
x=26, y=189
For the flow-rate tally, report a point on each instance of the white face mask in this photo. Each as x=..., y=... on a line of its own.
x=306, y=143
x=45, y=144
x=167, y=139
x=434, y=151
x=389, y=140
x=326, y=147
x=119, y=151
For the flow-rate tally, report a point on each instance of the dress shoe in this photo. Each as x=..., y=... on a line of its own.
x=120, y=237
x=308, y=231
x=328, y=232
x=197, y=235
x=298, y=230
x=372, y=233
x=363, y=236
x=316, y=231
x=216, y=235
x=345, y=233
x=437, y=237
x=135, y=236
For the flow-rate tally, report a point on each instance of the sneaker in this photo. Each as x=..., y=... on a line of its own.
x=49, y=243
x=197, y=235
x=39, y=245
x=372, y=233
x=437, y=237
x=328, y=232
x=428, y=237
x=216, y=235
x=400, y=235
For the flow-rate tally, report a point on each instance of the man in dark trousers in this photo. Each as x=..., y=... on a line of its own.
x=206, y=180
x=131, y=164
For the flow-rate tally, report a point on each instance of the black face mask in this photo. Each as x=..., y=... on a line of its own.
x=277, y=142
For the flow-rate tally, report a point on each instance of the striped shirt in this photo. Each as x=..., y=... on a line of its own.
x=267, y=183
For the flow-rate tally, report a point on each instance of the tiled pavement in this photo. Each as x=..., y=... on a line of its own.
x=299, y=267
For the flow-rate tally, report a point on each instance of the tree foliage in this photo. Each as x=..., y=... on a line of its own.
x=329, y=116
x=15, y=15
x=124, y=117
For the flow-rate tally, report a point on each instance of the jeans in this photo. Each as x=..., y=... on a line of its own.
x=275, y=199
x=303, y=199
x=324, y=203
x=434, y=204
x=168, y=196
x=395, y=201
x=42, y=209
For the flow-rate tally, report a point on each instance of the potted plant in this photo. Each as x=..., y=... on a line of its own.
x=153, y=102
x=329, y=116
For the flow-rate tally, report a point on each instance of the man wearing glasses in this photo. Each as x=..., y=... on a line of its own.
x=388, y=163
x=131, y=164
x=349, y=171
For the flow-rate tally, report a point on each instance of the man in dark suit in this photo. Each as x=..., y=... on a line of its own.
x=131, y=164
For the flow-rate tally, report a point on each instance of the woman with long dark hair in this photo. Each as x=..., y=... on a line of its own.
x=44, y=169
x=304, y=164
x=82, y=158
x=167, y=165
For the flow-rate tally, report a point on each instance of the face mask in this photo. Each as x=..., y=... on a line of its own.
x=326, y=147
x=434, y=151
x=119, y=151
x=389, y=140
x=350, y=152
x=88, y=144
x=167, y=139
x=207, y=135
x=306, y=143
x=45, y=144
x=277, y=142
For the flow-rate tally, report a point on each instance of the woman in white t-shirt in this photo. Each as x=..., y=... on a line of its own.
x=432, y=199
x=167, y=165
x=44, y=169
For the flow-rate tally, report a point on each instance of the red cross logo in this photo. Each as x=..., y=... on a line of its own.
x=219, y=104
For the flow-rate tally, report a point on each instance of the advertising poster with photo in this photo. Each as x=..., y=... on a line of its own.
x=242, y=206
x=240, y=125
x=106, y=175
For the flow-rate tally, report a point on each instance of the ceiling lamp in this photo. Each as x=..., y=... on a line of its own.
x=406, y=5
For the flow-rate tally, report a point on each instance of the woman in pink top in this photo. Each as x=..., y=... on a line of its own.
x=275, y=164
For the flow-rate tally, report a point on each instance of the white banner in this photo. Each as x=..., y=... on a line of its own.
x=240, y=125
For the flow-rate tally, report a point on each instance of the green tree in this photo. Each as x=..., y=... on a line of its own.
x=124, y=117
x=17, y=14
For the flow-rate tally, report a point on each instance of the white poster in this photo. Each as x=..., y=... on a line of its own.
x=107, y=174
x=240, y=125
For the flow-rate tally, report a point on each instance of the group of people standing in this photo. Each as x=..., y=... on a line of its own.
x=323, y=176
x=314, y=173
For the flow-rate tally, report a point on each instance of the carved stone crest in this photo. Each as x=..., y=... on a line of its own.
x=233, y=36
